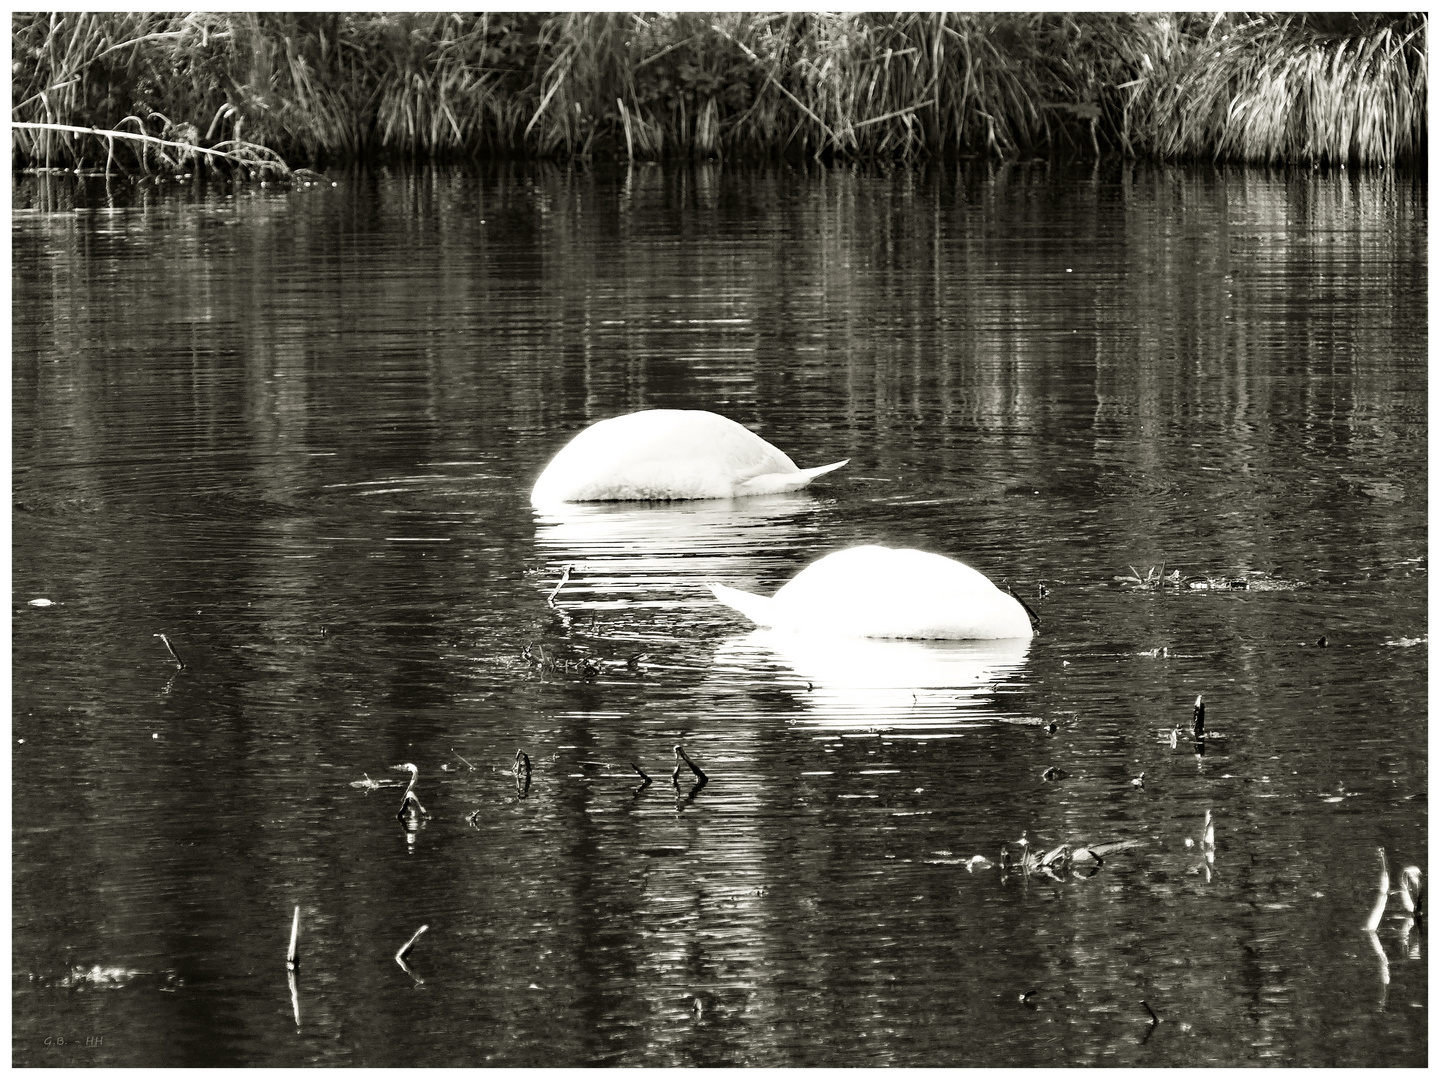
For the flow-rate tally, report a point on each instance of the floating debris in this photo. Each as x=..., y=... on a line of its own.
x=1197, y=718
x=40, y=601
x=1053, y=773
x=171, y=650
x=374, y=785
x=681, y=756
x=1098, y=852
x=1154, y=1019
x=522, y=764
x=644, y=780
x=588, y=667
x=1251, y=581
x=111, y=977
x=404, y=951
x=1152, y=579
x=978, y=862
x=292, y=958
x=1412, y=891
x=1378, y=912
x=564, y=577
x=1063, y=858
x=1138, y=782
x=1218, y=584
x=1056, y=857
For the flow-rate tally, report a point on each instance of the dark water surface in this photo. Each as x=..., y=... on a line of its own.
x=295, y=430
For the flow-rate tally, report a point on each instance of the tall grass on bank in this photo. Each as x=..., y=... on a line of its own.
x=1309, y=88
x=328, y=86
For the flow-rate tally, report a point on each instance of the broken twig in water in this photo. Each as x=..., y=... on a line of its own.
x=1153, y=1018
x=644, y=780
x=1383, y=897
x=680, y=756
x=292, y=958
x=171, y=650
x=1198, y=717
x=564, y=577
x=294, y=995
x=1034, y=618
x=410, y=802
x=404, y=950
x=1412, y=891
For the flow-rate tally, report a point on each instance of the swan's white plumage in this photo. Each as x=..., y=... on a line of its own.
x=881, y=592
x=668, y=454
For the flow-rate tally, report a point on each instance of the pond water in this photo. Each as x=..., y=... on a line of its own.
x=295, y=430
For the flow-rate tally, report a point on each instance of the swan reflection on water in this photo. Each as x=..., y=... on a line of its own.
x=872, y=683
x=657, y=554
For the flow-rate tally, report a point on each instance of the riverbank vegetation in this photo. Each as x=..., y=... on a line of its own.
x=326, y=87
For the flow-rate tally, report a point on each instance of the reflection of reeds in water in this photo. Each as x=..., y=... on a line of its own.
x=849, y=84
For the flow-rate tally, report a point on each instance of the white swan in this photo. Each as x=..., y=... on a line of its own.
x=885, y=592
x=668, y=454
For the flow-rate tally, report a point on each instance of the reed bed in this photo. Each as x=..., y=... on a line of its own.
x=156, y=90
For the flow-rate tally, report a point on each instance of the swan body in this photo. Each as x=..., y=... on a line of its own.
x=668, y=454
x=881, y=592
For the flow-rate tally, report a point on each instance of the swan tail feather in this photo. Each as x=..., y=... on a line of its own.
x=770, y=483
x=755, y=608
